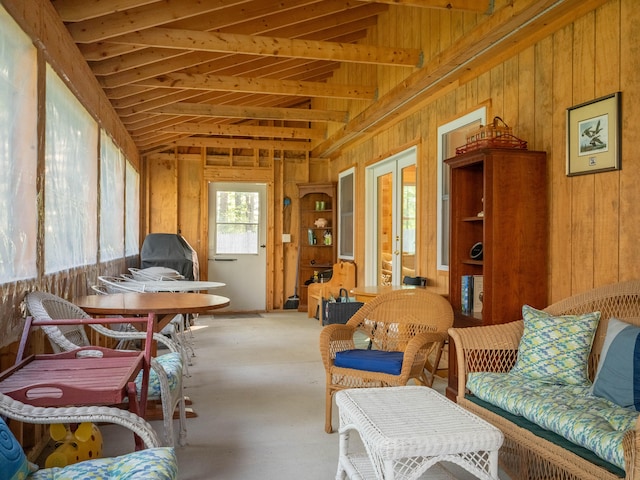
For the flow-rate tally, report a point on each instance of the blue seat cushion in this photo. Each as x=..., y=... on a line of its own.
x=370, y=360
x=172, y=365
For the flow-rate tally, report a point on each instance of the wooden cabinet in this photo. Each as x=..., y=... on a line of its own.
x=498, y=197
x=316, y=242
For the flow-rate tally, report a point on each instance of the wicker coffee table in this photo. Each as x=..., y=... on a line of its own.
x=408, y=430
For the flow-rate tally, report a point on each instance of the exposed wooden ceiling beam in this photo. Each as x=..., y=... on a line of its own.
x=156, y=97
x=260, y=113
x=79, y=10
x=146, y=16
x=242, y=143
x=258, y=17
x=126, y=71
x=193, y=40
x=259, y=85
x=246, y=130
x=477, y=6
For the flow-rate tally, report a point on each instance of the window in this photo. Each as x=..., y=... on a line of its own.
x=237, y=216
x=346, y=217
x=70, y=193
x=132, y=213
x=450, y=136
x=111, y=199
x=18, y=153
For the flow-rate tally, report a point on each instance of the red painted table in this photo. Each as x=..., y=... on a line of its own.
x=87, y=376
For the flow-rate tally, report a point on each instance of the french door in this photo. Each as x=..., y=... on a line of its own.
x=391, y=219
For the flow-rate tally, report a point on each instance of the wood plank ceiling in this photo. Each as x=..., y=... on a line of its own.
x=221, y=72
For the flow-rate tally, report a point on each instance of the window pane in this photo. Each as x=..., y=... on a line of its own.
x=111, y=199
x=132, y=216
x=450, y=136
x=71, y=144
x=18, y=149
x=237, y=216
x=236, y=238
x=409, y=212
x=237, y=207
x=346, y=214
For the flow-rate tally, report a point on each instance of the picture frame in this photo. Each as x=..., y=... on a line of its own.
x=593, y=136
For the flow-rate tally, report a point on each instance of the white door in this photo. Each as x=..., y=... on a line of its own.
x=237, y=243
x=391, y=219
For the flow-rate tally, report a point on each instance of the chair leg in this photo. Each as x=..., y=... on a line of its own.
x=182, y=435
x=328, y=407
x=169, y=402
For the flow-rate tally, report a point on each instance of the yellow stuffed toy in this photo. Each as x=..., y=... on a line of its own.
x=74, y=445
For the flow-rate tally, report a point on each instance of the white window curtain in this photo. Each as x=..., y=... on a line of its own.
x=71, y=149
x=132, y=212
x=112, y=188
x=18, y=153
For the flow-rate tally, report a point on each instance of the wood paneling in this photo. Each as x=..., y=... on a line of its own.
x=592, y=218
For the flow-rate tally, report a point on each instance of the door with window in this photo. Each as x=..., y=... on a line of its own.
x=391, y=219
x=237, y=243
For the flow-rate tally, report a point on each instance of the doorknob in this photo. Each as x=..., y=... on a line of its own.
x=263, y=246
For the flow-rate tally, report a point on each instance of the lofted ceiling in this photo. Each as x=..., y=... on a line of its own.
x=217, y=72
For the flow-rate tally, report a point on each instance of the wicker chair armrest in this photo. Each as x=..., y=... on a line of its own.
x=491, y=348
x=418, y=348
x=22, y=412
x=158, y=337
x=335, y=338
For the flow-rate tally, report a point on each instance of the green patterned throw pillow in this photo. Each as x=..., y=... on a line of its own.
x=555, y=349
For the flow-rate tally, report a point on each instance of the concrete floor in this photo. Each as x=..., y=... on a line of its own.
x=257, y=385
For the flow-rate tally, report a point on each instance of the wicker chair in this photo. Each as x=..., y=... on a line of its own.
x=414, y=322
x=165, y=383
x=174, y=330
x=13, y=409
x=154, y=463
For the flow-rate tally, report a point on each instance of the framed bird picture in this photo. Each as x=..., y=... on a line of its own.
x=593, y=131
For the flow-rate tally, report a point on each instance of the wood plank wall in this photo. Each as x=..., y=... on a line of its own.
x=593, y=218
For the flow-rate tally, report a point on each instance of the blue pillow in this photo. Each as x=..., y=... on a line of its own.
x=370, y=360
x=618, y=375
x=13, y=461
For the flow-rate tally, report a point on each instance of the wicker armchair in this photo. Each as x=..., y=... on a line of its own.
x=165, y=382
x=414, y=322
x=15, y=410
x=154, y=463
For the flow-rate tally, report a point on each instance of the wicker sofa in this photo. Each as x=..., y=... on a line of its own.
x=531, y=451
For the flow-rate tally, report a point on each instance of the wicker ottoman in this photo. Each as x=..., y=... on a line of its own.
x=408, y=430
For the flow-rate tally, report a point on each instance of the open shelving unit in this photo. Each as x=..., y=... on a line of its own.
x=498, y=197
x=317, y=200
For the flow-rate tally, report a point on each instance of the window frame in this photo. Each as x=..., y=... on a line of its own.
x=344, y=225
x=459, y=124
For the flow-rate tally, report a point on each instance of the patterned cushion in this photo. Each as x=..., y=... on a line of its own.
x=555, y=349
x=618, y=375
x=172, y=364
x=13, y=462
x=568, y=410
x=150, y=464
x=370, y=360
